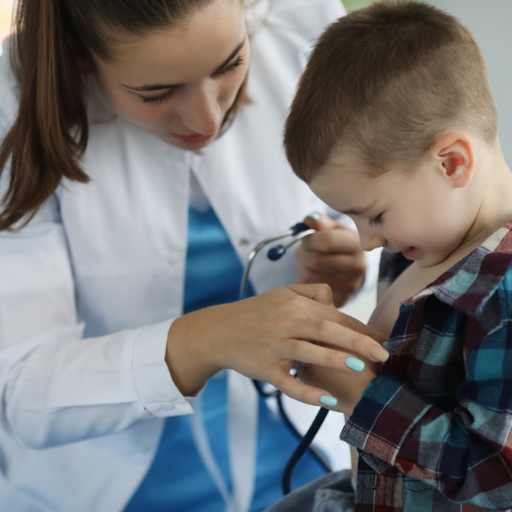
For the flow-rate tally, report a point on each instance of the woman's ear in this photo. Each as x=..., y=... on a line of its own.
x=82, y=57
x=84, y=67
x=455, y=158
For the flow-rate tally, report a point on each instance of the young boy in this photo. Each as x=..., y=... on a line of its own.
x=394, y=124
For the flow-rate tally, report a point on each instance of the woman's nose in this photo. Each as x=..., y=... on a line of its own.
x=202, y=111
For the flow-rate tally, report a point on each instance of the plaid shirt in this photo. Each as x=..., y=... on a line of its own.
x=434, y=428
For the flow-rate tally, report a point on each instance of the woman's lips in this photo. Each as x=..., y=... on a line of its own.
x=193, y=139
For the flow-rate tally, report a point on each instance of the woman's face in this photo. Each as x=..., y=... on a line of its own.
x=178, y=83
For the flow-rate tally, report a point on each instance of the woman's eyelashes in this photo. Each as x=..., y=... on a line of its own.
x=375, y=220
x=157, y=99
x=230, y=67
x=162, y=97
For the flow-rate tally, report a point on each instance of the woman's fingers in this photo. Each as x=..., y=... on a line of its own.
x=355, y=325
x=339, y=348
x=347, y=388
x=321, y=293
x=343, y=285
x=338, y=239
x=261, y=337
x=297, y=390
x=332, y=255
x=319, y=312
x=326, y=357
x=342, y=338
x=318, y=263
x=313, y=321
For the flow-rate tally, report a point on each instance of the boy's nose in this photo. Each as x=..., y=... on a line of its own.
x=370, y=241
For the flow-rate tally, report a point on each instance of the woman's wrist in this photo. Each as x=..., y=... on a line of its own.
x=190, y=353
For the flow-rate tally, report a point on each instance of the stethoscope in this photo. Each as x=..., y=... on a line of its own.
x=297, y=232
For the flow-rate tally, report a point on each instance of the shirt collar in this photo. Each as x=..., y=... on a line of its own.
x=469, y=284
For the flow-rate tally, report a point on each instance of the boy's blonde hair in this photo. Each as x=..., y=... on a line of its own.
x=384, y=82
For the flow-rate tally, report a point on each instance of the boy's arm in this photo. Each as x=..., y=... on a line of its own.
x=466, y=453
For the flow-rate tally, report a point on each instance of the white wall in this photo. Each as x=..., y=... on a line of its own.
x=489, y=21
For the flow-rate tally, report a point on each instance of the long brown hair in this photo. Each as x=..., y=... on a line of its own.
x=50, y=133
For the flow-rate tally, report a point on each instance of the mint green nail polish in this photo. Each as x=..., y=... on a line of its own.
x=314, y=216
x=354, y=364
x=328, y=400
x=385, y=344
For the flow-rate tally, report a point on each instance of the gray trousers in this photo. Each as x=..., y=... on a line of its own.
x=329, y=493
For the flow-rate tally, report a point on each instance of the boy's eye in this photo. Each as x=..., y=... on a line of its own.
x=375, y=220
x=157, y=99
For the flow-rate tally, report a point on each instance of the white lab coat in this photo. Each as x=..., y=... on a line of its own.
x=89, y=290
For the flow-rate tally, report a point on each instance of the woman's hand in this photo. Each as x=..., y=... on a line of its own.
x=264, y=336
x=333, y=255
x=347, y=389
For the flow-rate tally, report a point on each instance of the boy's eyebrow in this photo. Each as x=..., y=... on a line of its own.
x=159, y=87
x=359, y=211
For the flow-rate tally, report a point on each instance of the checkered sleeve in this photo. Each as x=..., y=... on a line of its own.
x=466, y=453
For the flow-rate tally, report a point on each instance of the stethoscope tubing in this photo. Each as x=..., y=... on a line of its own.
x=279, y=250
x=245, y=278
x=298, y=232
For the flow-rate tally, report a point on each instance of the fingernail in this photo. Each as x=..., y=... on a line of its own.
x=328, y=400
x=354, y=364
x=314, y=216
x=385, y=344
x=379, y=353
x=333, y=306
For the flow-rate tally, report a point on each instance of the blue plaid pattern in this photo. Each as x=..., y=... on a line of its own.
x=434, y=428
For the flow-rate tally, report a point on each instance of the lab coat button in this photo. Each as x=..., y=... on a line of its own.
x=244, y=242
x=168, y=406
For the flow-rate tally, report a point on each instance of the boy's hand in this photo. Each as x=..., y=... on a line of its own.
x=333, y=255
x=348, y=388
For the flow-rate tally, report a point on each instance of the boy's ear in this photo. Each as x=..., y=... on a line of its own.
x=455, y=158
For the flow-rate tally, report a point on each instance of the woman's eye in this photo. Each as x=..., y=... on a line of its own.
x=232, y=66
x=163, y=97
x=156, y=99
x=375, y=220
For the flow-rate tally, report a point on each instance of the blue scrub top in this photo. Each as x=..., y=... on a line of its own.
x=177, y=479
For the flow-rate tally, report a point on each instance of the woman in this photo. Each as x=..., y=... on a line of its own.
x=124, y=208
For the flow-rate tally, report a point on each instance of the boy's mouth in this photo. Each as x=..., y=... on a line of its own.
x=409, y=253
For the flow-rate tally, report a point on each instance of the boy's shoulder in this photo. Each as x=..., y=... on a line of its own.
x=483, y=279
x=470, y=284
